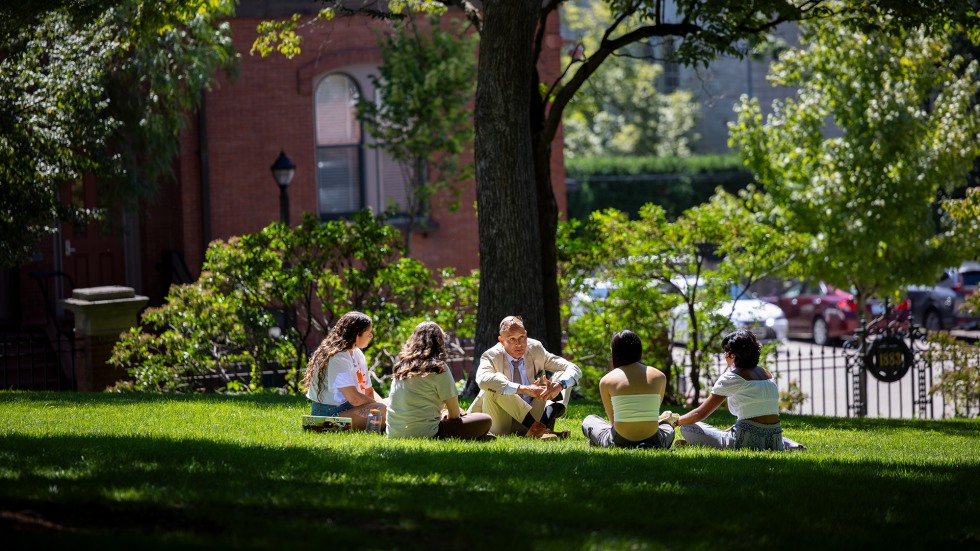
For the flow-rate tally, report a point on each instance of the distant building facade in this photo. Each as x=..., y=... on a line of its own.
x=718, y=87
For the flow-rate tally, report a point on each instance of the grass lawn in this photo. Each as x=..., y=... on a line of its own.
x=92, y=471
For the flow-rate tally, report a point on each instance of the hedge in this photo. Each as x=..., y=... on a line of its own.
x=627, y=183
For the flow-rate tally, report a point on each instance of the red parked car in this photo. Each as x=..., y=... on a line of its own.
x=815, y=310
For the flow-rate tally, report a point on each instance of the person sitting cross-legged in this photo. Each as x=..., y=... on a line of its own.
x=753, y=398
x=514, y=387
x=631, y=395
x=337, y=379
x=422, y=385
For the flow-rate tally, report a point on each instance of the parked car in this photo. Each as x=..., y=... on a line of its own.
x=934, y=307
x=596, y=289
x=940, y=306
x=818, y=311
x=745, y=311
x=962, y=280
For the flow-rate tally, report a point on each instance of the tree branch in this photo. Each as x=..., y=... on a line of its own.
x=590, y=65
x=550, y=6
x=471, y=12
x=551, y=89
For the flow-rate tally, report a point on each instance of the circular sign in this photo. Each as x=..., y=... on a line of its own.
x=889, y=359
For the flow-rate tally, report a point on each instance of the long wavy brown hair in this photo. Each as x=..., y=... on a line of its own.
x=341, y=338
x=424, y=352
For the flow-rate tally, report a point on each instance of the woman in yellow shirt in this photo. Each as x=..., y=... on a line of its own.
x=424, y=401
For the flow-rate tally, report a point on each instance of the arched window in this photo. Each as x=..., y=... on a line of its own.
x=339, y=152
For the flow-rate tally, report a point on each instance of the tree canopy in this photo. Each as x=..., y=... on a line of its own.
x=883, y=125
x=95, y=88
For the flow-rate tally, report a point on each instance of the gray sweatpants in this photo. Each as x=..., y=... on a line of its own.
x=601, y=433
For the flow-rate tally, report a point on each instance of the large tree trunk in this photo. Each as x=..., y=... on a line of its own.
x=507, y=205
x=547, y=221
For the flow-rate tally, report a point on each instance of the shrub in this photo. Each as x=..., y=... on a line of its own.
x=960, y=384
x=791, y=398
x=300, y=280
x=632, y=304
x=589, y=336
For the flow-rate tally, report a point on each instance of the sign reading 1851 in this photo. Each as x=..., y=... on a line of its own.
x=888, y=359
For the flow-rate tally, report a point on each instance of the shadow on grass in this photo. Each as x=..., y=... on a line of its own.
x=92, y=491
x=269, y=400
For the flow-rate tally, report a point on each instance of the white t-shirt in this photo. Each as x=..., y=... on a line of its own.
x=748, y=399
x=343, y=370
x=416, y=404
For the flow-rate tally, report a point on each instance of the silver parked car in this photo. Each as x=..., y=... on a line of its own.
x=744, y=311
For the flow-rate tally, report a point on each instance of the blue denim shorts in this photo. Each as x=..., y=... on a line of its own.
x=327, y=410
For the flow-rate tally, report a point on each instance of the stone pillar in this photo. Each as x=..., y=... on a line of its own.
x=101, y=314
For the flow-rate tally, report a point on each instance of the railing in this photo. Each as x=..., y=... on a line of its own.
x=461, y=357
x=41, y=357
x=272, y=375
x=34, y=360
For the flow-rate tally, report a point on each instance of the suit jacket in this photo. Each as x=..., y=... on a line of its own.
x=493, y=373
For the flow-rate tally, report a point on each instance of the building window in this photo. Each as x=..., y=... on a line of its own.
x=388, y=175
x=672, y=71
x=339, y=147
x=391, y=182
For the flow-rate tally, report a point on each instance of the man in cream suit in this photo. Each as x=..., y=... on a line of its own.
x=514, y=386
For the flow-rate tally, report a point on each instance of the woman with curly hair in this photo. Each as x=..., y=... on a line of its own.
x=753, y=398
x=337, y=378
x=422, y=385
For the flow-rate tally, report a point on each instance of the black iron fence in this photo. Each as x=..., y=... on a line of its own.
x=269, y=375
x=41, y=356
x=34, y=359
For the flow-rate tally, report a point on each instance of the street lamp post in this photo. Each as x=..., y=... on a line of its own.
x=282, y=171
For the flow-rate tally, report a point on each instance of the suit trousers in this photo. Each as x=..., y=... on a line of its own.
x=509, y=410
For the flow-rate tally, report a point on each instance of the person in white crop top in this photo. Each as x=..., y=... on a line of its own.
x=631, y=395
x=753, y=398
